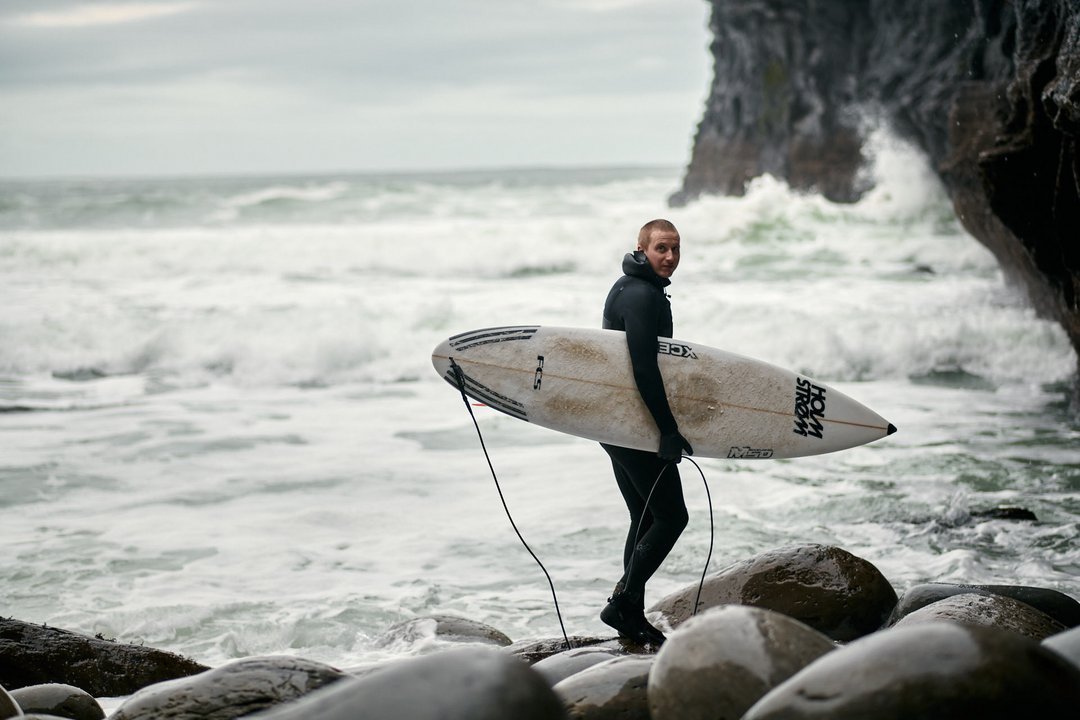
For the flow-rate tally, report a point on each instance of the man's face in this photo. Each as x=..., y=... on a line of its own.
x=663, y=252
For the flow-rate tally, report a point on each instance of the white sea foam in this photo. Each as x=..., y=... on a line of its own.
x=239, y=446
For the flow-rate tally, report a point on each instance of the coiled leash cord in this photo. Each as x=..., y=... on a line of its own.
x=712, y=529
x=460, y=376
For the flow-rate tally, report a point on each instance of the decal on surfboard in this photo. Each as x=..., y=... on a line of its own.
x=464, y=341
x=809, y=408
x=490, y=397
x=748, y=452
x=667, y=347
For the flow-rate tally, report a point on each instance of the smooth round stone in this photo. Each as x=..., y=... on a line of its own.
x=987, y=611
x=825, y=587
x=471, y=683
x=718, y=664
x=57, y=699
x=444, y=627
x=936, y=671
x=615, y=689
x=559, y=667
x=238, y=688
x=1065, y=644
x=533, y=651
x=8, y=707
x=1058, y=605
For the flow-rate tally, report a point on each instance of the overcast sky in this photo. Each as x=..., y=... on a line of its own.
x=164, y=87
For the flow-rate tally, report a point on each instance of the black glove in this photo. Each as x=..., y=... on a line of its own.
x=672, y=446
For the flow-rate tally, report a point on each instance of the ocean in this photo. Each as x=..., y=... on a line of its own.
x=221, y=434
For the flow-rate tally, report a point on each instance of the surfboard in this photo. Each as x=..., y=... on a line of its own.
x=580, y=381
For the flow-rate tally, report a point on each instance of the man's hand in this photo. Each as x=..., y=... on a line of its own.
x=672, y=446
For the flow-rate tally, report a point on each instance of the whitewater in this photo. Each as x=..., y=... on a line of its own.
x=221, y=434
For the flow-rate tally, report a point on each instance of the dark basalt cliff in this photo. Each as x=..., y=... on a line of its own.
x=989, y=89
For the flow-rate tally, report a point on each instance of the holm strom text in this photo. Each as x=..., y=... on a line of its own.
x=809, y=408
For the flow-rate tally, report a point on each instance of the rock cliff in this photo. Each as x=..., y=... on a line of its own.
x=988, y=89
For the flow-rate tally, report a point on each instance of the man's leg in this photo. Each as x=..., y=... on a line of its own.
x=640, y=520
x=653, y=531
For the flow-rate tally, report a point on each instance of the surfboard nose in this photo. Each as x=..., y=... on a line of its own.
x=891, y=430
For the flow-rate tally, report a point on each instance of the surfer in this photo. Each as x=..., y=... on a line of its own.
x=638, y=305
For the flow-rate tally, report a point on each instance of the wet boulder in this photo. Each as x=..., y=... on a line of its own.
x=615, y=689
x=824, y=587
x=1057, y=605
x=561, y=666
x=1005, y=513
x=718, y=664
x=987, y=611
x=448, y=628
x=57, y=699
x=936, y=671
x=533, y=651
x=238, y=688
x=1065, y=644
x=8, y=707
x=472, y=683
x=35, y=654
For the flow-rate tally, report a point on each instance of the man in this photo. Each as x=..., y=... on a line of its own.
x=638, y=305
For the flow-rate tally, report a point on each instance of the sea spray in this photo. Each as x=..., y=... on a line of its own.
x=224, y=438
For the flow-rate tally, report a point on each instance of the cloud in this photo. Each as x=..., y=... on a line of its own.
x=193, y=86
x=100, y=14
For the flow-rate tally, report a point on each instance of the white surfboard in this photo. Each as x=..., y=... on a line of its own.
x=580, y=381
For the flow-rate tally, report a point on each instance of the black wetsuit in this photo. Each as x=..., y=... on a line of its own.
x=638, y=305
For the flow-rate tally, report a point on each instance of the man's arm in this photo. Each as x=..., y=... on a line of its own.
x=641, y=340
x=641, y=322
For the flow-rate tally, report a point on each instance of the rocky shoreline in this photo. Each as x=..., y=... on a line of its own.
x=808, y=631
x=988, y=90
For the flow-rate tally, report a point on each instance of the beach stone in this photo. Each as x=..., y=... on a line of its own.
x=615, y=689
x=561, y=666
x=987, y=611
x=533, y=651
x=823, y=586
x=1005, y=513
x=472, y=683
x=937, y=671
x=445, y=627
x=1057, y=605
x=718, y=664
x=35, y=654
x=58, y=699
x=237, y=688
x=1066, y=644
x=8, y=707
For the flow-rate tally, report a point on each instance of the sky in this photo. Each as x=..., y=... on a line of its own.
x=190, y=87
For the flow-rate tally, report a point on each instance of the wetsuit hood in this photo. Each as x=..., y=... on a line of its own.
x=635, y=264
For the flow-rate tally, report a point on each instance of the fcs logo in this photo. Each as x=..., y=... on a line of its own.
x=538, y=378
x=749, y=453
x=666, y=347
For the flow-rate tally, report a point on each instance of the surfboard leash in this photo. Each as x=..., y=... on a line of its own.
x=712, y=535
x=459, y=375
x=712, y=528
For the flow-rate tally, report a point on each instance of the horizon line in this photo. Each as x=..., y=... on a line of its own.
x=399, y=172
